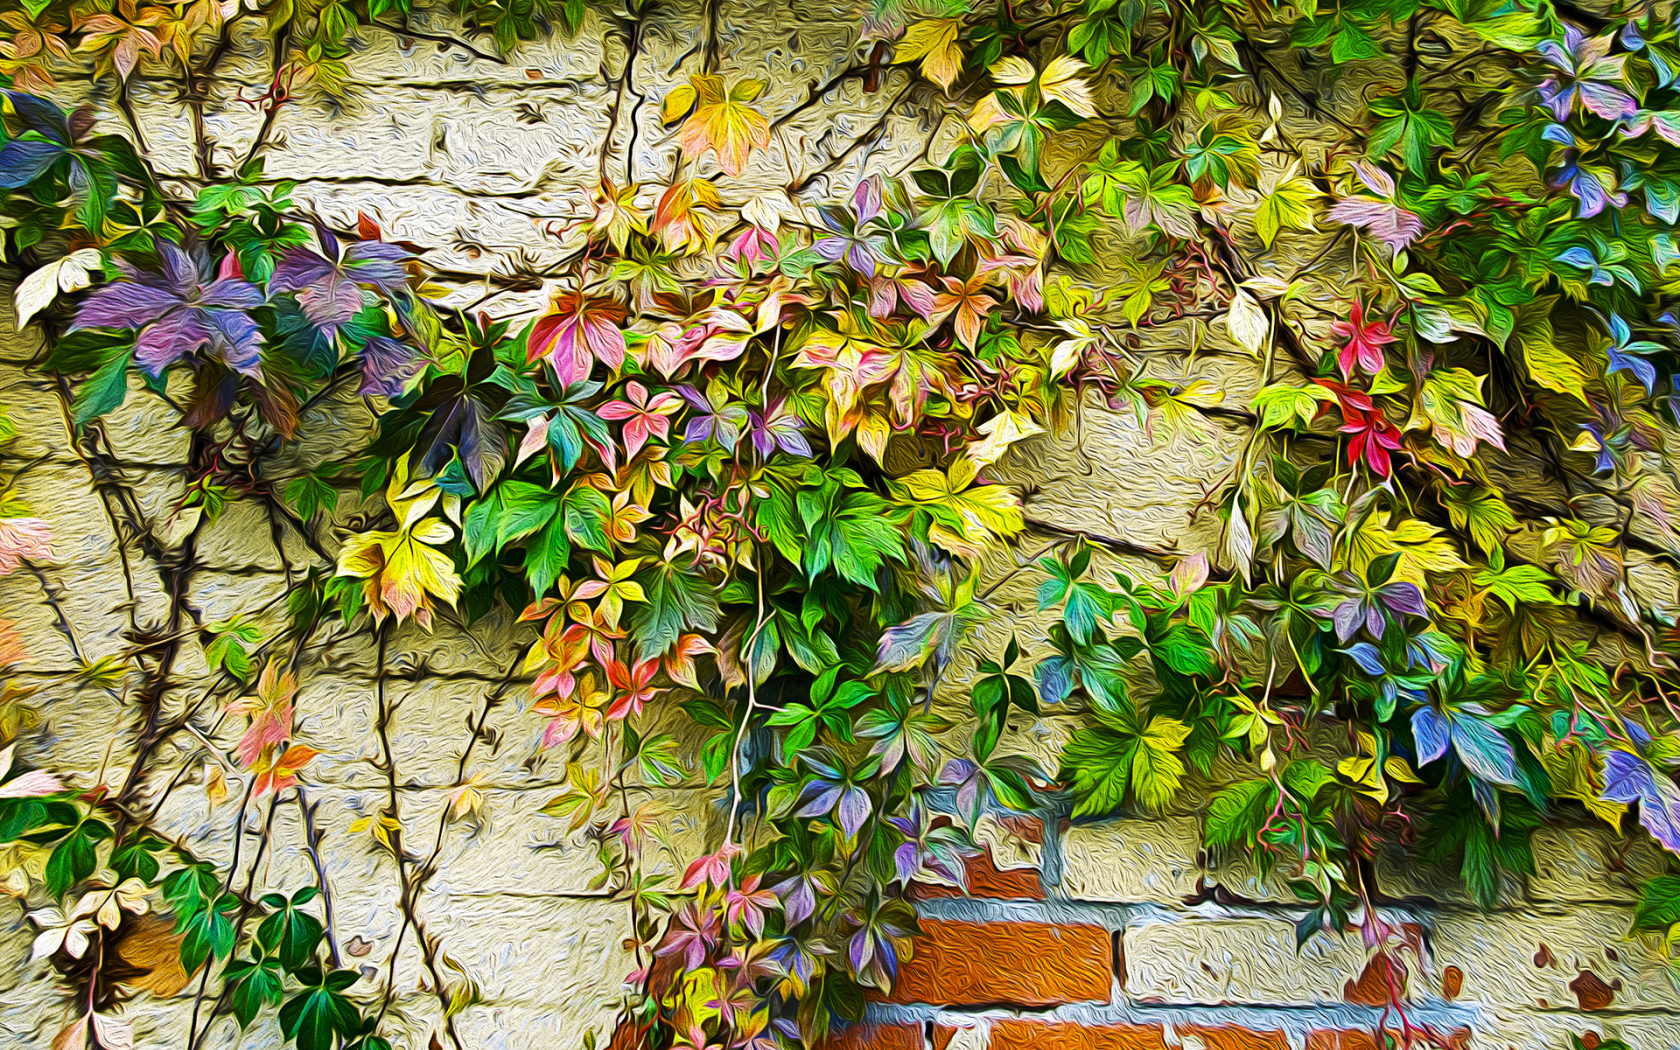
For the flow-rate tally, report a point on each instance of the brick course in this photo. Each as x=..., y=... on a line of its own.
x=1015, y=963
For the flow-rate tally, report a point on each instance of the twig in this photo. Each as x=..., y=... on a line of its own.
x=407, y=29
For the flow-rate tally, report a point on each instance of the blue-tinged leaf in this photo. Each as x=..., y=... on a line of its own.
x=26, y=160
x=1432, y=733
x=1367, y=657
x=1484, y=749
x=1629, y=778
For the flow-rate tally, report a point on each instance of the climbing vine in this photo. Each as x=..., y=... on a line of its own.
x=740, y=475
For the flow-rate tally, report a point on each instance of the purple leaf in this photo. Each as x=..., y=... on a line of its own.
x=179, y=311
x=1389, y=223
x=1347, y=617
x=906, y=859
x=386, y=366
x=1629, y=778
x=866, y=199
x=853, y=810
x=799, y=900
x=862, y=950
x=818, y=798
x=330, y=293
x=1403, y=598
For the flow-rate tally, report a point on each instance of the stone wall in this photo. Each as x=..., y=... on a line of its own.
x=1113, y=935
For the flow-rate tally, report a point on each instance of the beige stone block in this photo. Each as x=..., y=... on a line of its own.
x=1581, y=864
x=1222, y=959
x=1131, y=861
x=1504, y=965
x=1111, y=476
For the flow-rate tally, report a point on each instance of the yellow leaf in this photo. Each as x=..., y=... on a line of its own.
x=1422, y=548
x=678, y=101
x=934, y=41
x=1570, y=767
x=724, y=121
x=403, y=573
x=1061, y=81
x=1286, y=204
x=967, y=518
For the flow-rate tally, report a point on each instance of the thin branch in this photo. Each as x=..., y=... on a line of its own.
x=407, y=29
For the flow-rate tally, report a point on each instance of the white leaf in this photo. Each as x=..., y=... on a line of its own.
x=1247, y=323
x=1000, y=432
x=113, y=1033
x=1239, y=543
x=69, y=274
x=1068, y=352
x=36, y=292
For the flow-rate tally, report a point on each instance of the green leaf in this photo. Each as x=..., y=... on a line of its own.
x=310, y=493
x=72, y=860
x=205, y=933
x=584, y=512
x=253, y=985
x=521, y=509
x=104, y=391
x=677, y=601
x=1157, y=770
x=1659, y=904
x=1281, y=404
x=137, y=859
x=1102, y=762
x=546, y=557
x=1236, y=814
x=317, y=1016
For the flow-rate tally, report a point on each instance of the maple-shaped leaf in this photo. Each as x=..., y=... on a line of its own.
x=404, y=570
x=330, y=290
x=579, y=330
x=179, y=310
x=1386, y=220
x=1286, y=203
x=722, y=119
x=270, y=712
x=967, y=304
x=1451, y=402
x=935, y=42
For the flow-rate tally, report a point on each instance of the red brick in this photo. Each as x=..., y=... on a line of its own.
x=876, y=1037
x=1365, y=1039
x=986, y=880
x=1226, y=1037
x=1341, y=1039
x=1013, y=963
x=1066, y=1035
